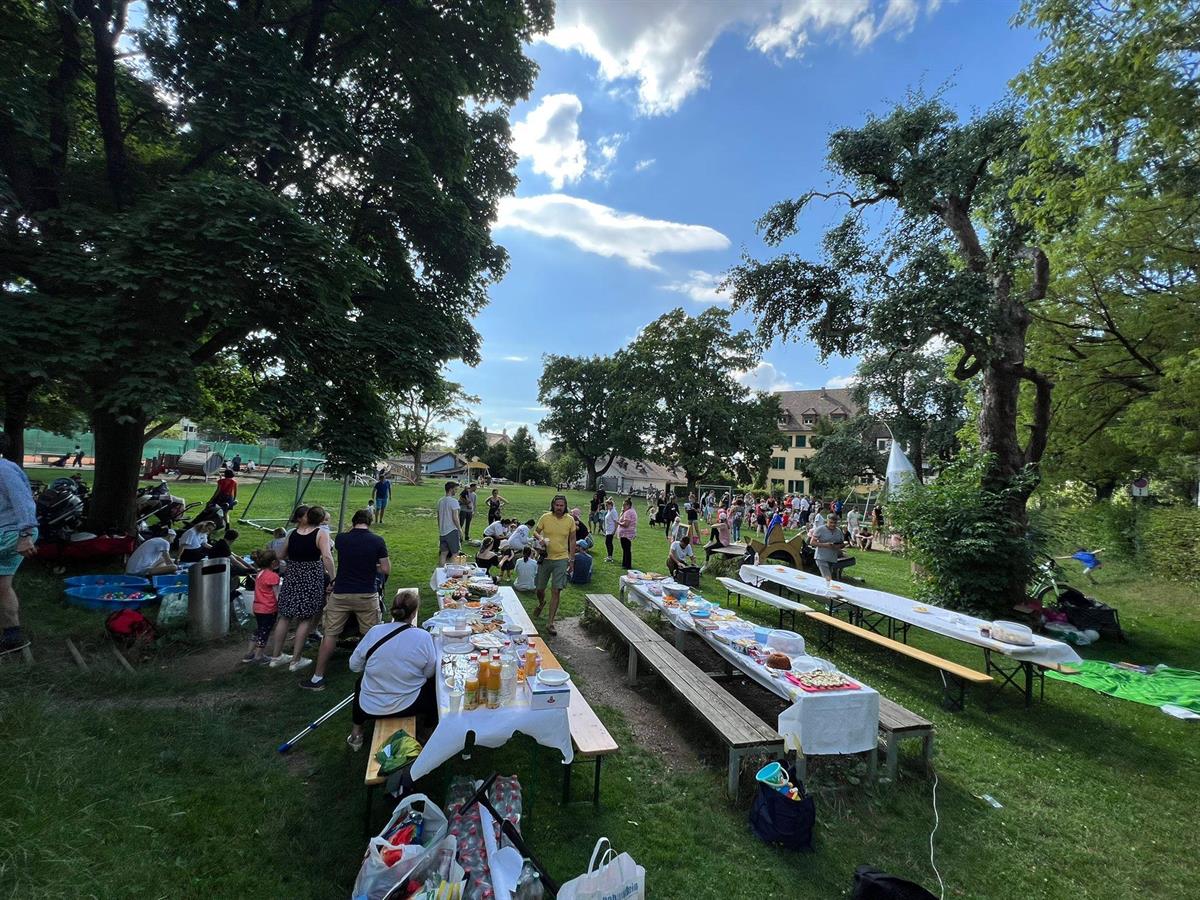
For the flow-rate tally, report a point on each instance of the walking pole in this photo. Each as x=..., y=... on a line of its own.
x=287, y=745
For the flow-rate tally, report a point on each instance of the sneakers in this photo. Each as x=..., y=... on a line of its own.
x=248, y=658
x=354, y=743
x=13, y=642
x=299, y=663
x=282, y=659
x=309, y=685
x=608, y=559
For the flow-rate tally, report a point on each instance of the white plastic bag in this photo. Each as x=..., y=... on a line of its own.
x=375, y=877
x=616, y=877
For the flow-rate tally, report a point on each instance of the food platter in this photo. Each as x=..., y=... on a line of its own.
x=487, y=641
x=458, y=648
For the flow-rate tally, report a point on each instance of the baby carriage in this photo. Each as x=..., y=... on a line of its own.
x=59, y=510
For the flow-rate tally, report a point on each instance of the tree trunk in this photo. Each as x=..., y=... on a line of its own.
x=590, y=483
x=918, y=457
x=1104, y=490
x=16, y=416
x=416, y=462
x=113, y=502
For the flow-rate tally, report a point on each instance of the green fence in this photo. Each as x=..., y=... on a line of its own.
x=38, y=442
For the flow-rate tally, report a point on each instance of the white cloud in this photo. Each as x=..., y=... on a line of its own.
x=642, y=165
x=701, y=286
x=548, y=137
x=606, y=150
x=842, y=381
x=763, y=377
x=605, y=231
x=515, y=358
x=663, y=46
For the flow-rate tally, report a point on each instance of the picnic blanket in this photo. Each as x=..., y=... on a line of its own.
x=1179, y=687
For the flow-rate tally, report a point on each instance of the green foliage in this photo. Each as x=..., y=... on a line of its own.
x=1113, y=184
x=522, y=452
x=963, y=540
x=565, y=467
x=230, y=401
x=419, y=411
x=496, y=458
x=843, y=455
x=597, y=409
x=1170, y=541
x=472, y=443
x=715, y=425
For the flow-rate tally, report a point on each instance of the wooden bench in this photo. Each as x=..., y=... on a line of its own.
x=384, y=729
x=588, y=734
x=955, y=676
x=738, y=550
x=741, y=589
x=897, y=724
x=740, y=728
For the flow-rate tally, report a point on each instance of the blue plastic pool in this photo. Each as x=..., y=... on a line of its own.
x=109, y=581
x=94, y=597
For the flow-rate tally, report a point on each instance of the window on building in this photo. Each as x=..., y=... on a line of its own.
x=776, y=484
x=778, y=462
x=784, y=418
x=810, y=420
x=801, y=440
x=798, y=463
x=785, y=441
x=837, y=416
x=883, y=445
x=796, y=487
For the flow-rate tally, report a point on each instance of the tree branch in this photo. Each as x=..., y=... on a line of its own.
x=108, y=113
x=1041, y=274
x=1039, y=431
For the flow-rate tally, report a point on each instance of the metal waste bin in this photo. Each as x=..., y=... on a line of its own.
x=208, y=599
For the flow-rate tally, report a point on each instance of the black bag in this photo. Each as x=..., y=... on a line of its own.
x=871, y=884
x=1084, y=612
x=777, y=819
x=689, y=575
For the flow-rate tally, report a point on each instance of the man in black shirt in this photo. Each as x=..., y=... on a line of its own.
x=361, y=557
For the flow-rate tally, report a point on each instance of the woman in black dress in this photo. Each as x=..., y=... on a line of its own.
x=302, y=593
x=495, y=503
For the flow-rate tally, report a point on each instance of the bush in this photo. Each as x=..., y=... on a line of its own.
x=722, y=566
x=1169, y=541
x=960, y=537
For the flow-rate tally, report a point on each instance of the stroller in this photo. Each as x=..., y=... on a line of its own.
x=59, y=510
x=1086, y=612
x=159, y=504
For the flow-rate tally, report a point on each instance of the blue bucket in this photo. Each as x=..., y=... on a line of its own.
x=108, y=581
x=172, y=584
x=94, y=597
x=773, y=775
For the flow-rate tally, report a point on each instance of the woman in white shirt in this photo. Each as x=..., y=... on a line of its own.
x=610, y=527
x=527, y=569
x=398, y=662
x=193, y=543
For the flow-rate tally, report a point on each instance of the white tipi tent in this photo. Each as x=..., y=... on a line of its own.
x=899, y=469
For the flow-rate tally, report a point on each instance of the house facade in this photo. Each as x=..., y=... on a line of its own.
x=636, y=476
x=799, y=418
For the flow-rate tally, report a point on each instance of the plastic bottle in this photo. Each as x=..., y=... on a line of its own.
x=530, y=661
x=508, y=680
x=529, y=885
x=472, y=698
x=493, y=682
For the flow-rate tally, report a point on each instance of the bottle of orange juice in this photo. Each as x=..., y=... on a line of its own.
x=472, y=698
x=530, y=661
x=493, y=681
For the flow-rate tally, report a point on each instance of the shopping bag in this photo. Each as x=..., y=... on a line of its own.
x=609, y=876
x=872, y=884
x=778, y=819
x=380, y=871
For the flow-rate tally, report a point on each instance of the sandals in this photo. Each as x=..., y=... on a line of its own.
x=354, y=743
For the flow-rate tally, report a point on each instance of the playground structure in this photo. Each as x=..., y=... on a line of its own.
x=298, y=464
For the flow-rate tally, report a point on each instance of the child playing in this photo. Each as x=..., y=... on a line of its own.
x=266, y=603
x=527, y=568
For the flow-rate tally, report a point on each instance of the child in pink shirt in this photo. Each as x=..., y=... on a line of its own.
x=266, y=604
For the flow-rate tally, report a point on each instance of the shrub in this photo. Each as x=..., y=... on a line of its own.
x=1169, y=539
x=960, y=537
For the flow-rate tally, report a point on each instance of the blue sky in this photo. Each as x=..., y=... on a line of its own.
x=657, y=133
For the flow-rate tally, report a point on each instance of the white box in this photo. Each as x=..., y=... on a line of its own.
x=546, y=696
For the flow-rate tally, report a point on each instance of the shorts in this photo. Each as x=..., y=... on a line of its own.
x=552, y=572
x=451, y=542
x=339, y=606
x=825, y=567
x=10, y=559
x=381, y=502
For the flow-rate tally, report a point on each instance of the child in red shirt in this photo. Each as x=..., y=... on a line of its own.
x=266, y=604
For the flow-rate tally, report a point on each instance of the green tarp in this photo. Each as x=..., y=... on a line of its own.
x=1180, y=687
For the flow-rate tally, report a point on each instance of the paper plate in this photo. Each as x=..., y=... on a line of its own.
x=458, y=647
x=553, y=677
x=488, y=641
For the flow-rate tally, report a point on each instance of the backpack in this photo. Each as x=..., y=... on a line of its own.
x=128, y=626
x=871, y=884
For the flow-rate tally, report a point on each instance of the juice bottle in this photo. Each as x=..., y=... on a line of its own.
x=493, y=683
x=530, y=661
x=472, y=698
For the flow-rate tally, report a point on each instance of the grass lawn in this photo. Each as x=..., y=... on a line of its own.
x=166, y=783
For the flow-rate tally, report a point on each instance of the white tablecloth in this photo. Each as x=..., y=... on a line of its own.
x=514, y=611
x=823, y=723
x=492, y=727
x=945, y=622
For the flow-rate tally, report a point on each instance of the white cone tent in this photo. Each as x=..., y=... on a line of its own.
x=899, y=469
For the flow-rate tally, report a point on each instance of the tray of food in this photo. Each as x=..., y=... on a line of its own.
x=822, y=680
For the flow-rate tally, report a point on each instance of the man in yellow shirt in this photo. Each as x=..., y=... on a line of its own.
x=557, y=531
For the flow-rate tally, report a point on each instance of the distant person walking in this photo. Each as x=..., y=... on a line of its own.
x=449, y=533
x=626, y=532
x=78, y=461
x=464, y=513
x=828, y=540
x=18, y=538
x=557, y=529
x=381, y=493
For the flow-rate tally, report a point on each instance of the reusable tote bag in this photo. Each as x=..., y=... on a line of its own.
x=616, y=877
x=376, y=876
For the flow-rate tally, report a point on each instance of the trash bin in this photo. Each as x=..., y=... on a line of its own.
x=208, y=599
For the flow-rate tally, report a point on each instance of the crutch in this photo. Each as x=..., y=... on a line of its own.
x=316, y=723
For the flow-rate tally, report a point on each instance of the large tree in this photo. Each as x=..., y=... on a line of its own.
x=703, y=420
x=472, y=443
x=843, y=456
x=522, y=453
x=955, y=263
x=597, y=410
x=912, y=391
x=419, y=412
x=305, y=183
x=1114, y=183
